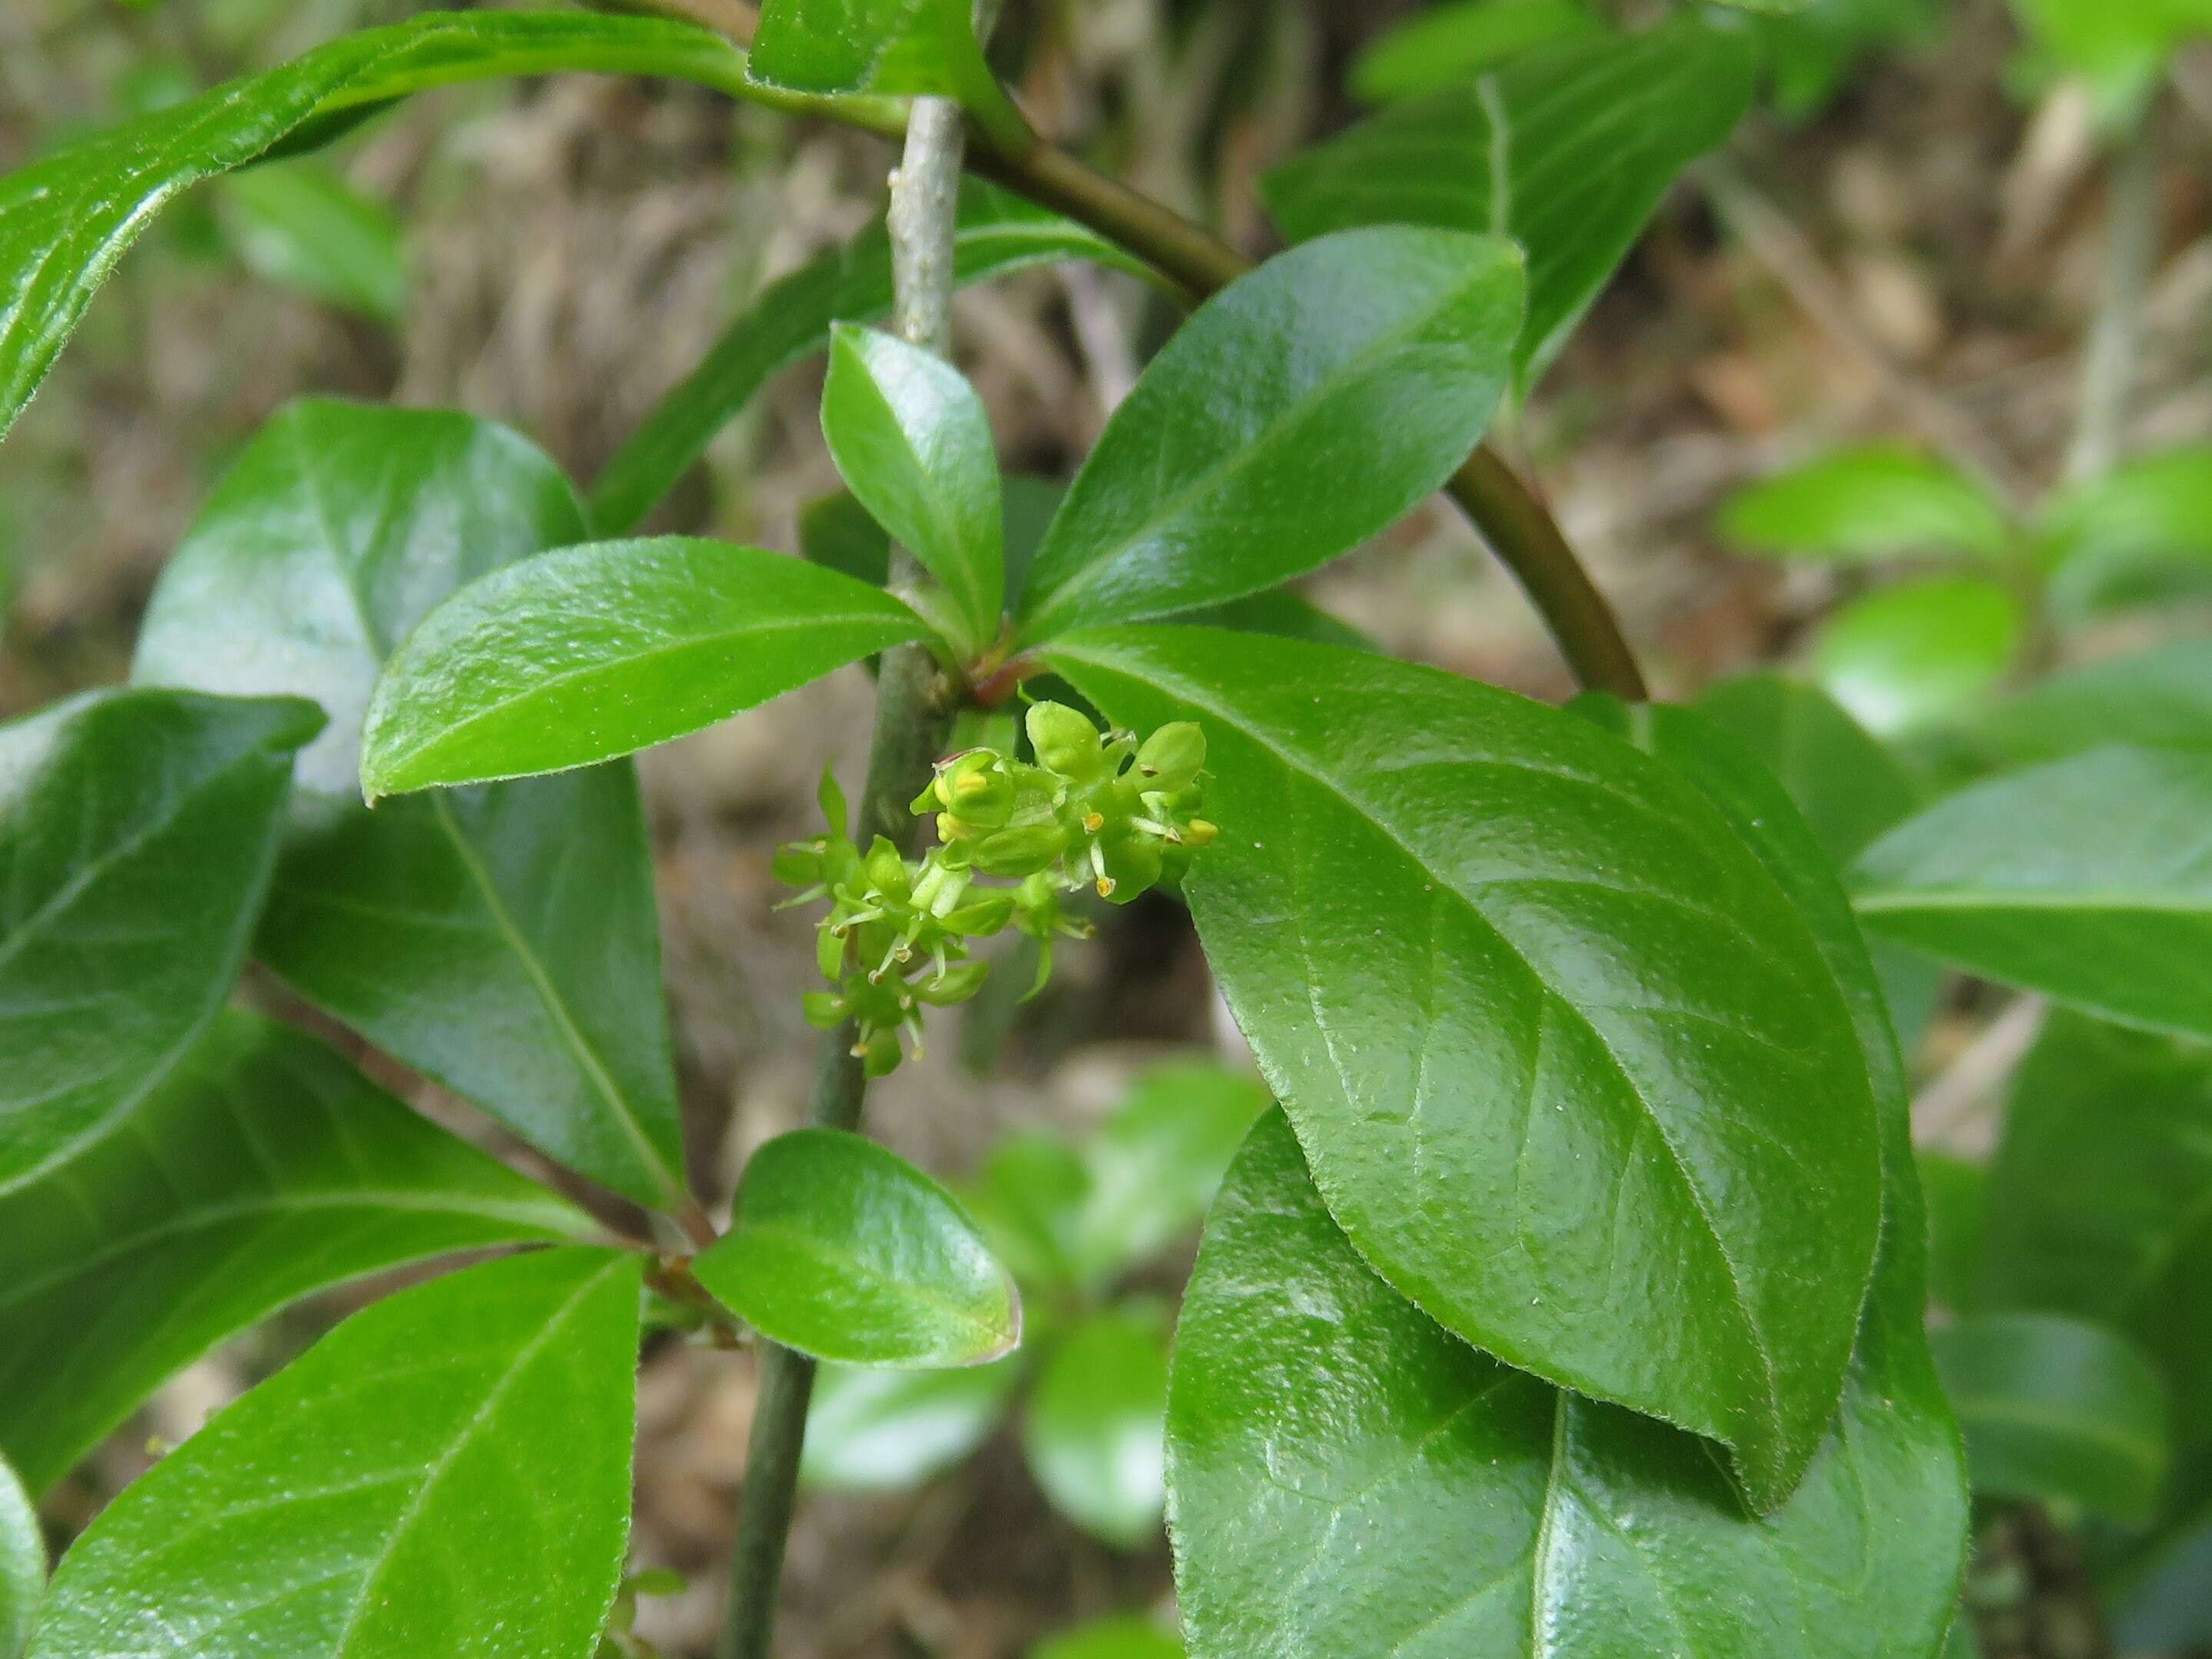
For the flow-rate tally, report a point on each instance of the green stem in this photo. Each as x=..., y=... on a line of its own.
x=914, y=705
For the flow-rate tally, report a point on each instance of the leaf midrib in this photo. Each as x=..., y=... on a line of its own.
x=1878, y=901
x=1054, y=603
x=1180, y=687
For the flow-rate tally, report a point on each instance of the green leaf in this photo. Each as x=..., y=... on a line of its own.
x=265, y=1167
x=1094, y=1430
x=2160, y=698
x=1030, y=1198
x=2130, y=533
x=1155, y=1164
x=844, y=1250
x=1955, y=1190
x=68, y=218
x=1350, y=1480
x=137, y=833
x=1810, y=54
x=838, y=533
x=1849, y=786
x=2120, y=46
x=790, y=319
x=898, y=46
x=1449, y=44
x=595, y=652
x=303, y=227
x=1903, y=657
x=2056, y=1409
x=2096, y=1203
x=1566, y=151
x=23, y=1564
x=1124, y=1637
x=884, y=1430
x=1857, y=505
x=1531, y=1046
x=911, y=439
x=447, y=1472
x=503, y=941
x=2087, y=880
x=1301, y=410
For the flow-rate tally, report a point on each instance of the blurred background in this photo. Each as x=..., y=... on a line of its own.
x=1906, y=243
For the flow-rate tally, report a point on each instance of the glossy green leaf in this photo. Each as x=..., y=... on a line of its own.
x=1567, y=151
x=23, y=1564
x=592, y=653
x=303, y=227
x=2160, y=698
x=502, y=940
x=844, y=1250
x=2096, y=1205
x=68, y=218
x=912, y=441
x=1956, y=1190
x=1903, y=657
x=1850, y=787
x=1155, y=1164
x=263, y=1168
x=2089, y=879
x=137, y=833
x=1125, y=1637
x=885, y=1430
x=900, y=46
x=1571, y=1070
x=1095, y=1431
x=1862, y=504
x=1299, y=411
x=1349, y=1481
x=996, y=233
x=1449, y=44
x=2056, y=1409
x=838, y=533
x=2137, y=532
x=447, y=1472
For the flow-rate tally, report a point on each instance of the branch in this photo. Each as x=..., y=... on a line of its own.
x=2108, y=372
x=912, y=708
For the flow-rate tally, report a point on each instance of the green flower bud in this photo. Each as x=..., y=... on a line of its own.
x=800, y=864
x=1129, y=866
x=887, y=871
x=1171, y=758
x=955, y=985
x=829, y=951
x=1199, y=833
x=879, y=1054
x=976, y=788
x=825, y=1010
x=983, y=915
x=1022, y=850
x=835, y=810
x=1065, y=741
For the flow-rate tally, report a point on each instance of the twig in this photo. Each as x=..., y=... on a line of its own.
x=1785, y=252
x=911, y=711
x=1946, y=1110
x=2108, y=370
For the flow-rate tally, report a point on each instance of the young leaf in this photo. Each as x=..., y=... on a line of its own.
x=1864, y=504
x=1155, y=1164
x=2089, y=879
x=1094, y=1432
x=137, y=833
x=592, y=653
x=302, y=227
x=1124, y=1637
x=912, y=441
x=995, y=233
x=1301, y=410
x=1904, y=657
x=883, y=1431
x=447, y=1472
x=2095, y=1206
x=2120, y=47
x=1566, y=151
x=1350, y=1480
x=68, y=218
x=1534, y=1009
x=502, y=940
x=263, y=1168
x=23, y=1564
x=844, y=1250
x=1030, y=1199
x=2160, y=698
x=2056, y=1409
x=1449, y=44
x=2137, y=532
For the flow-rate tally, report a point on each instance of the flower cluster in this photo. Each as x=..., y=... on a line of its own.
x=1097, y=811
